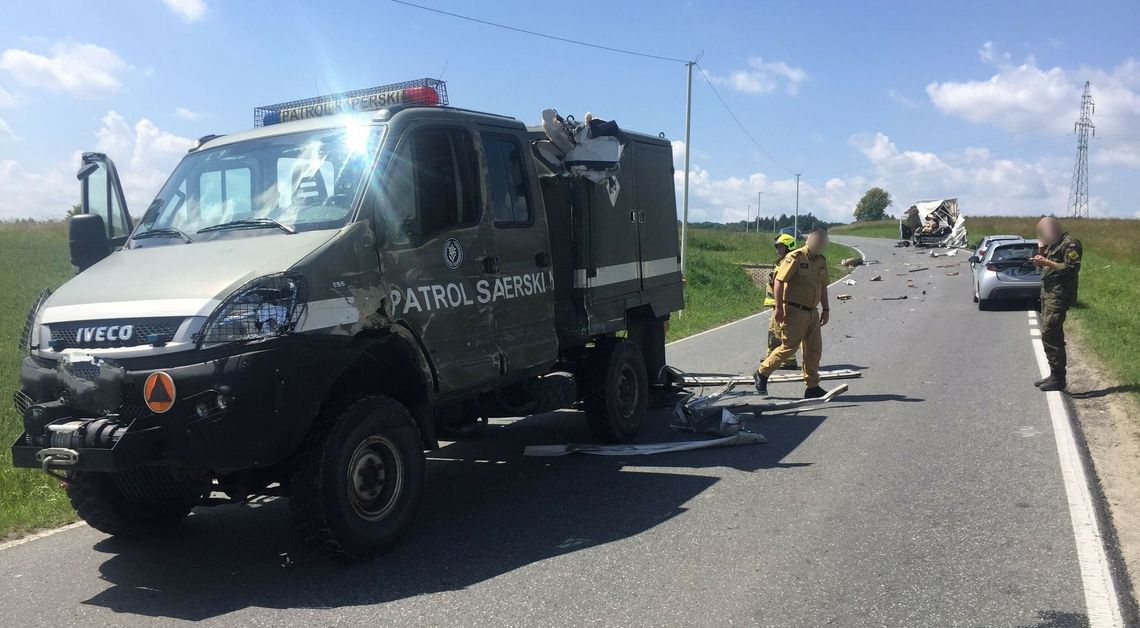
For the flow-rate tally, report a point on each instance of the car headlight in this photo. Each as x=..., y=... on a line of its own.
x=263, y=308
x=30, y=335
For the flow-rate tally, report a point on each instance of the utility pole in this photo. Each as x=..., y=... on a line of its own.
x=748, y=217
x=796, y=224
x=1079, y=192
x=758, y=211
x=688, y=149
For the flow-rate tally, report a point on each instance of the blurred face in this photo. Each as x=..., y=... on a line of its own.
x=816, y=242
x=1049, y=231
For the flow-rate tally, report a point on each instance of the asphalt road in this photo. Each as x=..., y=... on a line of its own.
x=929, y=495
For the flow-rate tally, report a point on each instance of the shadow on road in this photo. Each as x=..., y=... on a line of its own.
x=488, y=511
x=1059, y=619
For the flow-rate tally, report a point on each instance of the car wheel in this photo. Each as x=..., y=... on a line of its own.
x=615, y=391
x=983, y=304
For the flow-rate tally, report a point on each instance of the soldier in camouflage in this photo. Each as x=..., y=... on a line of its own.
x=1059, y=258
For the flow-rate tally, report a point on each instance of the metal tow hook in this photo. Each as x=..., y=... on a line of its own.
x=57, y=457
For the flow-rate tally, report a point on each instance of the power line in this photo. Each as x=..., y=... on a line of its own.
x=1079, y=193
x=732, y=114
x=538, y=34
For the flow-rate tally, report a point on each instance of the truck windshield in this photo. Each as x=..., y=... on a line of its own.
x=286, y=183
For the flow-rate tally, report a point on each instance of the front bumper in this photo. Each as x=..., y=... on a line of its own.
x=270, y=392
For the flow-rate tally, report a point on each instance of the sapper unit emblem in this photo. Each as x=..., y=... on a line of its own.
x=452, y=253
x=159, y=392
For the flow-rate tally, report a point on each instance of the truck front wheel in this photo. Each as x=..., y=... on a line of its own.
x=357, y=483
x=99, y=501
x=615, y=390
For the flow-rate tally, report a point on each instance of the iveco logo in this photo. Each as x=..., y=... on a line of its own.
x=107, y=333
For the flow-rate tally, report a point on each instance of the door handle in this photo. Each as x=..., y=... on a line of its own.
x=641, y=215
x=541, y=259
x=491, y=264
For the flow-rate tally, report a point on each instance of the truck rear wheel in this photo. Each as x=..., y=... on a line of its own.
x=357, y=483
x=615, y=390
x=99, y=501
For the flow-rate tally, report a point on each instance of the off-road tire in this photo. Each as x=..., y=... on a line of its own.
x=341, y=519
x=615, y=390
x=555, y=394
x=102, y=505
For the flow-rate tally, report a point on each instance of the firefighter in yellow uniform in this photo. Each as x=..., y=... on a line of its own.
x=800, y=288
x=784, y=244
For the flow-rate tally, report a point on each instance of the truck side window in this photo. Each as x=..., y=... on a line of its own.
x=445, y=190
x=507, y=180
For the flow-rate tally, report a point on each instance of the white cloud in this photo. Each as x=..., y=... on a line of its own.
x=986, y=182
x=6, y=132
x=143, y=153
x=1025, y=96
x=81, y=69
x=187, y=10
x=902, y=99
x=762, y=77
x=1116, y=154
x=6, y=98
x=187, y=114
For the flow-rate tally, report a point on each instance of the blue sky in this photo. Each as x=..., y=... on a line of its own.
x=969, y=99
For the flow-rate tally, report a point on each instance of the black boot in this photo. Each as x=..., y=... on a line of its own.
x=815, y=392
x=1038, y=382
x=1053, y=382
x=761, y=382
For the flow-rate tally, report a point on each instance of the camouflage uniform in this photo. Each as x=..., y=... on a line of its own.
x=1058, y=294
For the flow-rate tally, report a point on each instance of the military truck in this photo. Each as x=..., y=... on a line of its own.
x=307, y=306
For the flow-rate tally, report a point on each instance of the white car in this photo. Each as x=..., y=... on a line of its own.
x=1006, y=273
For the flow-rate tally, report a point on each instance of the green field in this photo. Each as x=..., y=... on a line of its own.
x=34, y=256
x=1109, y=293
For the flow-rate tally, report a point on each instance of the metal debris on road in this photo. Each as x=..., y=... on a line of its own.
x=877, y=278
x=698, y=380
x=843, y=297
x=902, y=298
x=852, y=262
x=953, y=274
x=849, y=282
x=917, y=270
x=743, y=438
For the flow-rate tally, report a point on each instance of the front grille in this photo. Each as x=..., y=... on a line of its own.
x=83, y=334
x=21, y=401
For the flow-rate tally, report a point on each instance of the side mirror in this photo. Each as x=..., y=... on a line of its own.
x=974, y=259
x=87, y=236
x=86, y=169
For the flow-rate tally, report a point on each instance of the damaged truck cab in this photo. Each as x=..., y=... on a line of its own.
x=307, y=306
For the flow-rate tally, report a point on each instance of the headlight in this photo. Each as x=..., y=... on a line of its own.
x=263, y=308
x=29, y=337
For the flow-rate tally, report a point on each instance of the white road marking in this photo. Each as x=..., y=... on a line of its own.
x=40, y=535
x=1101, y=602
x=766, y=310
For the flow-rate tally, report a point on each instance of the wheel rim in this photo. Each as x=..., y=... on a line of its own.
x=627, y=392
x=375, y=478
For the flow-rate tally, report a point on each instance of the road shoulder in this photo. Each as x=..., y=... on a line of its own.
x=1109, y=419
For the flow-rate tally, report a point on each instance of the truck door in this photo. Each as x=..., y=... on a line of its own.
x=522, y=289
x=101, y=194
x=435, y=249
x=655, y=215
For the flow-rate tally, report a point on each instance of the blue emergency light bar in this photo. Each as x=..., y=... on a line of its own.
x=425, y=91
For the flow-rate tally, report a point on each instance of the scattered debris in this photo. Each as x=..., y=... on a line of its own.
x=743, y=438
x=953, y=274
x=877, y=278
x=842, y=297
x=851, y=262
x=902, y=298
x=849, y=282
x=952, y=252
x=699, y=380
x=918, y=270
x=933, y=254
